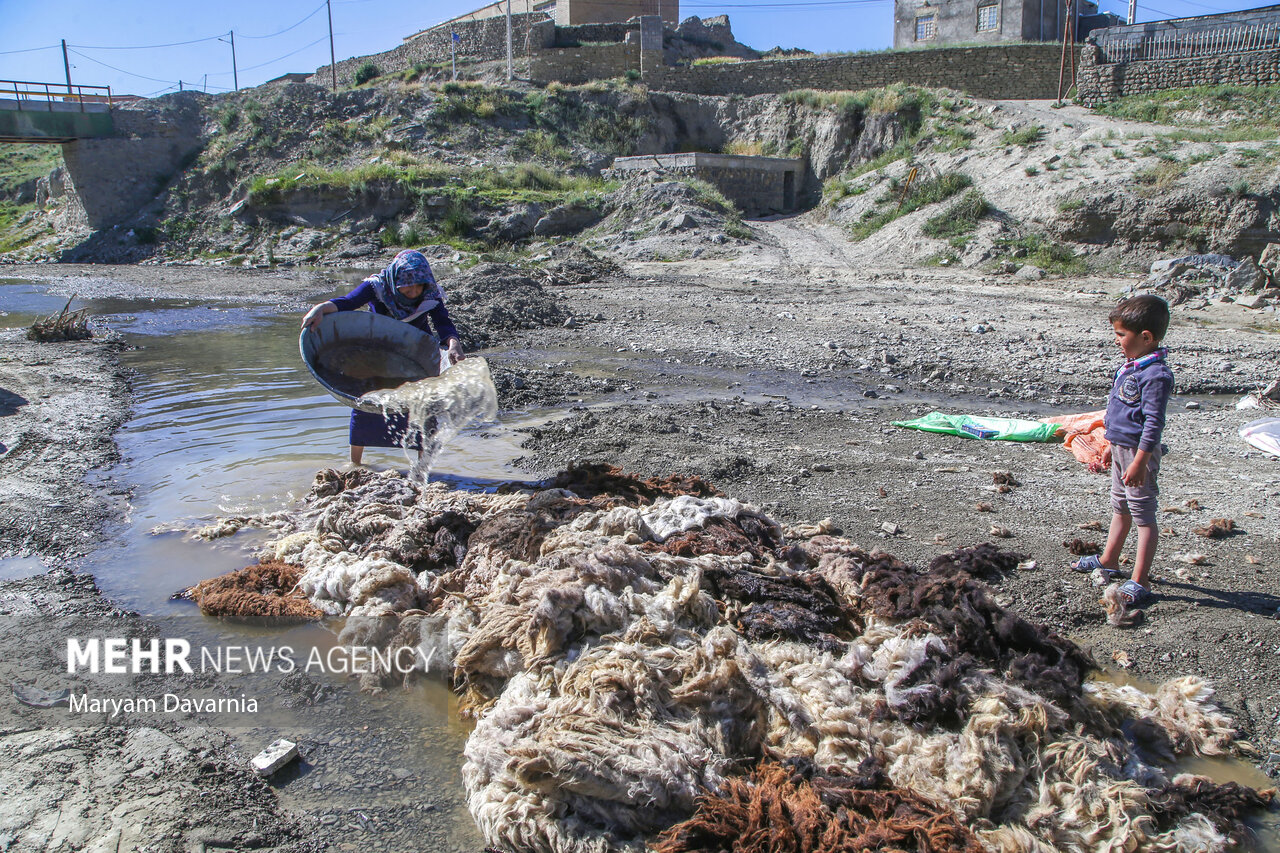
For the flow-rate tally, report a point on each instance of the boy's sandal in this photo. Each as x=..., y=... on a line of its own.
x=1134, y=593
x=1090, y=563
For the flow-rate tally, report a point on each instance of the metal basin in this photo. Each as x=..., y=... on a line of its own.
x=351, y=353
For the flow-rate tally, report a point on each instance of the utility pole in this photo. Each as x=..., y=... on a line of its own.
x=235, y=74
x=511, y=74
x=180, y=89
x=333, y=62
x=1133, y=11
x=66, y=64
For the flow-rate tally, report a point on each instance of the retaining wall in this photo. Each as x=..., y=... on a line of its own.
x=574, y=65
x=757, y=185
x=1099, y=82
x=478, y=41
x=1004, y=71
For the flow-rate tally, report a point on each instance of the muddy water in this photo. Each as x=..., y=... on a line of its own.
x=226, y=420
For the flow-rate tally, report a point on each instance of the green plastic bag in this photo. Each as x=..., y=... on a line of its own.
x=992, y=429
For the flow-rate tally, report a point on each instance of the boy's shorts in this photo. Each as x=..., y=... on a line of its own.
x=1140, y=502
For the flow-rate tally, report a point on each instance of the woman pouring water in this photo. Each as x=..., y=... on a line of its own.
x=406, y=290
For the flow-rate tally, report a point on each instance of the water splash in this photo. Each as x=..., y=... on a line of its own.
x=438, y=408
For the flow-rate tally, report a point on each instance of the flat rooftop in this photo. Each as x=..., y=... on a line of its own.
x=698, y=160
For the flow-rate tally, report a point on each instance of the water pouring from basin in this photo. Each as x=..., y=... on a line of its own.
x=438, y=407
x=379, y=365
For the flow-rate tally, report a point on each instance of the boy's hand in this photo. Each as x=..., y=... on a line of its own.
x=1106, y=458
x=1136, y=474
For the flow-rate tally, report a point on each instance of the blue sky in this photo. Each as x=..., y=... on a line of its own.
x=113, y=43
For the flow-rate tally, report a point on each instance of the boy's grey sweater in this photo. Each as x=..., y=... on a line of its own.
x=1135, y=410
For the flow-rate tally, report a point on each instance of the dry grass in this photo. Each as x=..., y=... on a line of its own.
x=66, y=325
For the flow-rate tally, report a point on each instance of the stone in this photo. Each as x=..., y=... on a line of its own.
x=1029, y=272
x=1167, y=266
x=566, y=219
x=890, y=528
x=518, y=224
x=1269, y=262
x=279, y=753
x=683, y=221
x=1253, y=301
x=1246, y=278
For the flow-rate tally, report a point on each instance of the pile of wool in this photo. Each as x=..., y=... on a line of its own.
x=640, y=655
x=263, y=594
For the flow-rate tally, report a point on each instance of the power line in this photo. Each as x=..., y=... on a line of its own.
x=286, y=56
x=141, y=46
x=313, y=13
x=121, y=70
x=30, y=49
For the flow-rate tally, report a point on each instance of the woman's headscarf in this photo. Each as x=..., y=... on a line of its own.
x=408, y=267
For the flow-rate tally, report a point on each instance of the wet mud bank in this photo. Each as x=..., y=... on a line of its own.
x=60, y=405
x=175, y=785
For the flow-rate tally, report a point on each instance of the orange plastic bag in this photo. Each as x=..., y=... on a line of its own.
x=1085, y=437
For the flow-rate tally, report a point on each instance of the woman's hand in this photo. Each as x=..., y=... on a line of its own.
x=455, y=351
x=313, y=316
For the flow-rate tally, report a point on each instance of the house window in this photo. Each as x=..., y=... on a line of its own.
x=926, y=27
x=988, y=18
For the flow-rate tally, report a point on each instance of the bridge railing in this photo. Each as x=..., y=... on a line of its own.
x=42, y=96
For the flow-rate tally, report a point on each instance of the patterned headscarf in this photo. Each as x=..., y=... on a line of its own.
x=408, y=267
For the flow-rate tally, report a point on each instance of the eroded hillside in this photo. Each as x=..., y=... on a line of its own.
x=295, y=174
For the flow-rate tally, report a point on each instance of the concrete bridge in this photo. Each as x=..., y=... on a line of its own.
x=115, y=160
x=44, y=113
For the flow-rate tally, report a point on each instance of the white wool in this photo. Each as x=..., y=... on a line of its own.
x=615, y=688
x=666, y=518
x=896, y=660
x=594, y=529
x=289, y=548
x=1182, y=707
x=1194, y=834
x=346, y=579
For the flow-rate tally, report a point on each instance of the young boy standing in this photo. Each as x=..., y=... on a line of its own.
x=1134, y=423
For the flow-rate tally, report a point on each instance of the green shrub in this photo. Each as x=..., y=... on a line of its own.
x=925, y=192
x=960, y=218
x=1026, y=136
x=230, y=119
x=457, y=220
x=1050, y=256
x=366, y=72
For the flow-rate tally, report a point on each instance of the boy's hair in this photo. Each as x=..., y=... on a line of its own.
x=1144, y=313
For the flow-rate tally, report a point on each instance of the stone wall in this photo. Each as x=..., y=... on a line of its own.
x=574, y=65
x=478, y=41
x=1101, y=82
x=1005, y=71
x=586, y=33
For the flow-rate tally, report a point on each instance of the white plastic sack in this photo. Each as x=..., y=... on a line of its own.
x=1263, y=434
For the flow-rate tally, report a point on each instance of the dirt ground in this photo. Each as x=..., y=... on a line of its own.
x=774, y=375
